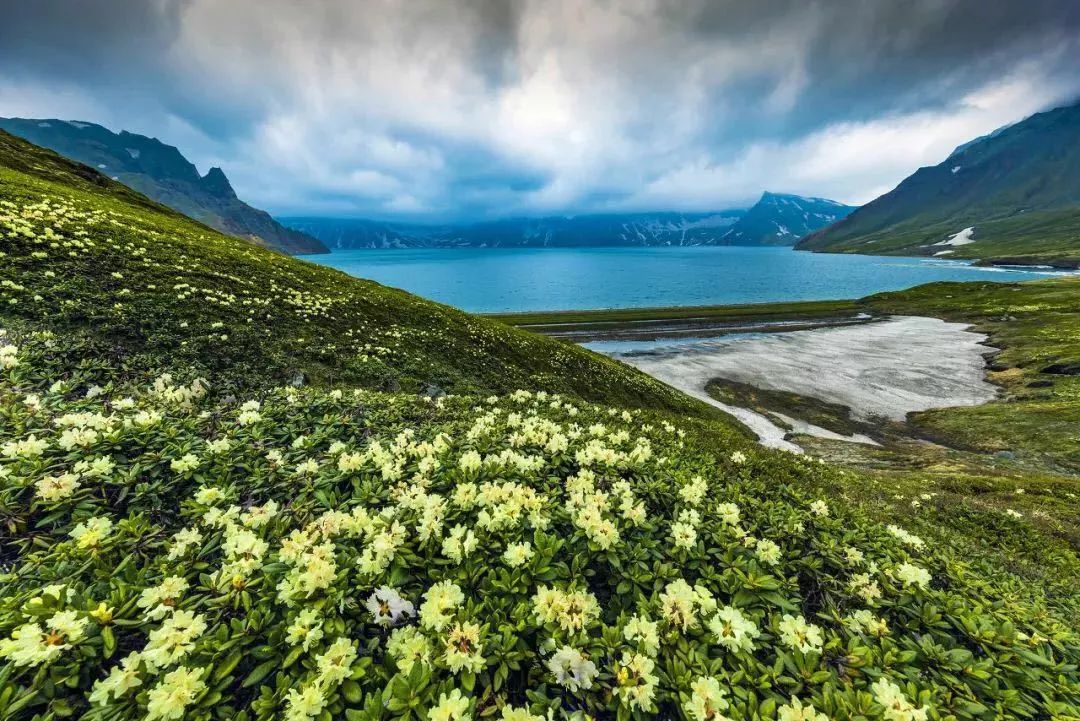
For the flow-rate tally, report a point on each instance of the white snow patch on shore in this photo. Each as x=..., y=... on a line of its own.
x=884, y=369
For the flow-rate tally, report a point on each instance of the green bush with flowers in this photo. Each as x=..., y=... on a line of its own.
x=186, y=535
x=314, y=554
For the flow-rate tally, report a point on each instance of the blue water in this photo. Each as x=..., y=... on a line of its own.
x=487, y=280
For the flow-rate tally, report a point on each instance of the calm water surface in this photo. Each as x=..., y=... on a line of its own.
x=487, y=280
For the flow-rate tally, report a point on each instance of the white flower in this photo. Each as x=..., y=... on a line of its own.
x=388, y=607
x=571, y=669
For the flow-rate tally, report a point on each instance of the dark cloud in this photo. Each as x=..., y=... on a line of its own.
x=497, y=107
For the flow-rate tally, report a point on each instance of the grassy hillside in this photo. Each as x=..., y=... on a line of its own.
x=145, y=287
x=188, y=536
x=161, y=172
x=1017, y=188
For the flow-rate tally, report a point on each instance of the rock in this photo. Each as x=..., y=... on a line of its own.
x=1063, y=369
x=432, y=391
x=1007, y=455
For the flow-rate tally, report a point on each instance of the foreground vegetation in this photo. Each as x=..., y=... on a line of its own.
x=233, y=486
x=999, y=478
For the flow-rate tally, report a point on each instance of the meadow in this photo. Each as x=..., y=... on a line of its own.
x=235, y=485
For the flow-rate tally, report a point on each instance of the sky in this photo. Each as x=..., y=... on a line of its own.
x=455, y=109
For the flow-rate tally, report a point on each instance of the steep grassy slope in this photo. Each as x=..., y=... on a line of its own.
x=161, y=172
x=207, y=544
x=1018, y=188
x=144, y=285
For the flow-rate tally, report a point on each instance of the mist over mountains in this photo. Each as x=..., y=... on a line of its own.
x=776, y=219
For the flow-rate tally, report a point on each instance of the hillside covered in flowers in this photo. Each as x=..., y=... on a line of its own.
x=237, y=486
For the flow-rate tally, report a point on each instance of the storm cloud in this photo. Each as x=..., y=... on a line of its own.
x=438, y=109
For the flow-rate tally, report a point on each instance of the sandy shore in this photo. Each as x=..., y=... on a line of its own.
x=885, y=369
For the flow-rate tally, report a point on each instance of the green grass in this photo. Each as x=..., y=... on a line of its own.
x=1044, y=237
x=146, y=390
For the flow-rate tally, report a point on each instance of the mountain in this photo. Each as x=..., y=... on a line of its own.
x=613, y=229
x=163, y=174
x=779, y=219
x=776, y=219
x=1012, y=196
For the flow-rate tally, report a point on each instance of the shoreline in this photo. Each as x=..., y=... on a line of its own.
x=584, y=326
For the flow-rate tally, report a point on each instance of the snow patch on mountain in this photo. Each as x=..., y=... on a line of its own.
x=961, y=238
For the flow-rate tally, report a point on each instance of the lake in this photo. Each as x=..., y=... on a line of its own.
x=491, y=280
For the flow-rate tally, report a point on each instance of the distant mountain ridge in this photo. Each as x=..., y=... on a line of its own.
x=162, y=173
x=781, y=219
x=776, y=219
x=1012, y=196
x=637, y=229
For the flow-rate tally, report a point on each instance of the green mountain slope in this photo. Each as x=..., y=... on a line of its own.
x=188, y=536
x=160, y=172
x=1018, y=189
x=154, y=284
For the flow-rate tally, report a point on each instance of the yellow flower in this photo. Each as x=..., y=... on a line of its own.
x=177, y=690
x=103, y=614
x=571, y=669
x=304, y=704
x=509, y=713
x=464, y=651
x=409, y=646
x=912, y=575
x=121, y=679
x=571, y=611
x=800, y=635
x=635, y=682
x=451, y=707
x=897, y=706
x=440, y=602
x=518, y=554
x=733, y=630
x=335, y=664
x=706, y=700
x=795, y=711
x=644, y=632
x=29, y=646
x=91, y=532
